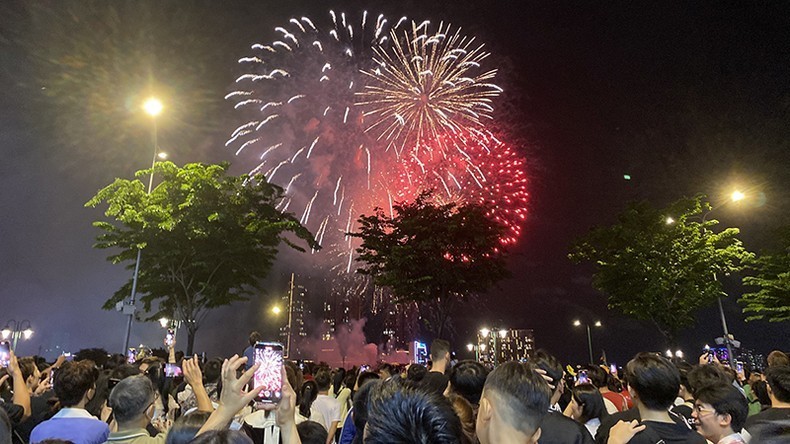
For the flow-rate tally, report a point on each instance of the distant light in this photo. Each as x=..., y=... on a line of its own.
x=670, y=220
x=162, y=155
x=627, y=176
x=737, y=195
x=577, y=323
x=597, y=323
x=153, y=107
x=470, y=347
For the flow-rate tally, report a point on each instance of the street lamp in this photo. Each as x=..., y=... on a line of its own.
x=578, y=323
x=153, y=107
x=276, y=309
x=16, y=330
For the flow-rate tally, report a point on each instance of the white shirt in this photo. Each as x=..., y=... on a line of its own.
x=329, y=409
x=592, y=426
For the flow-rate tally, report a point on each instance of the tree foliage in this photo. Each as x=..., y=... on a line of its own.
x=432, y=254
x=658, y=270
x=771, y=299
x=207, y=238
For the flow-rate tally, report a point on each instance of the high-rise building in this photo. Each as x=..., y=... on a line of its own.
x=503, y=345
x=294, y=332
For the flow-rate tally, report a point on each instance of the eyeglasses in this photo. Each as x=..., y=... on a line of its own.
x=700, y=409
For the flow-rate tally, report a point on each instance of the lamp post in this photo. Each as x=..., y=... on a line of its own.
x=578, y=323
x=153, y=107
x=16, y=330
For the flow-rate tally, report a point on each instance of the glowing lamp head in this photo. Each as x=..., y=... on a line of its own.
x=577, y=323
x=669, y=220
x=502, y=333
x=153, y=107
x=669, y=353
x=482, y=347
x=27, y=333
x=737, y=196
x=163, y=322
x=276, y=310
x=598, y=323
x=679, y=354
x=484, y=332
x=162, y=155
x=470, y=347
x=5, y=333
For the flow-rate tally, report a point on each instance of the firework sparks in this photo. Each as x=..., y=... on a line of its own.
x=426, y=85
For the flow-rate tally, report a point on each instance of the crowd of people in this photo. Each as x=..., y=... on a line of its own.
x=97, y=398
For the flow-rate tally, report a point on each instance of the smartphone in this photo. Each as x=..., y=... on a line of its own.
x=5, y=354
x=708, y=353
x=739, y=369
x=131, y=356
x=68, y=356
x=52, y=377
x=170, y=337
x=582, y=378
x=269, y=357
x=173, y=371
x=364, y=368
x=613, y=369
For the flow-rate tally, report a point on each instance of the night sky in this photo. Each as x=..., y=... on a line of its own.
x=684, y=97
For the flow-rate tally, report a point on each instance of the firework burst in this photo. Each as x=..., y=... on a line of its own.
x=425, y=85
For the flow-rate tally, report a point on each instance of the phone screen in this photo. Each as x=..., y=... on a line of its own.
x=170, y=337
x=5, y=353
x=173, y=371
x=131, y=356
x=269, y=356
x=613, y=369
x=581, y=378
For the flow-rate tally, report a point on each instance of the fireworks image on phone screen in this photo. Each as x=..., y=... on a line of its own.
x=269, y=373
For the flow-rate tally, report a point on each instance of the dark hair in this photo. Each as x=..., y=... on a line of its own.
x=212, y=370
x=337, y=380
x=185, y=428
x=726, y=400
x=760, y=390
x=778, y=357
x=549, y=364
x=590, y=400
x=360, y=412
x=401, y=413
x=365, y=377
x=389, y=368
x=254, y=338
x=222, y=437
x=323, y=380
x=309, y=395
x=467, y=378
x=73, y=380
x=702, y=375
x=416, y=372
x=124, y=371
x=27, y=366
x=596, y=374
x=522, y=394
x=311, y=432
x=5, y=428
x=439, y=347
x=655, y=379
x=778, y=377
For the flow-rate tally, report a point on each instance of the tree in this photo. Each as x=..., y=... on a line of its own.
x=771, y=300
x=432, y=254
x=658, y=269
x=207, y=238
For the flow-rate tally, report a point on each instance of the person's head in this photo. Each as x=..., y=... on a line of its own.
x=212, y=370
x=515, y=400
x=399, y=412
x=308, y=395
x=323, y=380
x=132, y=400
x=597, y=375
x=463, y=409
x=653, y=380
x=30, y=372
x=702, y=375
x=778, y=378
x=467, y=379
x=337, y=379
x=777, y=357
x=553, y=368
x=587, y=403
x=365, y=377
x=719, y=410
x=360, y=409
x=311, y=432
x=416, y=372
x=440, y=352
x=222, y=437
x=386, y=370
x=685, y=388
x=760, y=390
x=186, y=427
x=75, y=383
x=255, y=337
